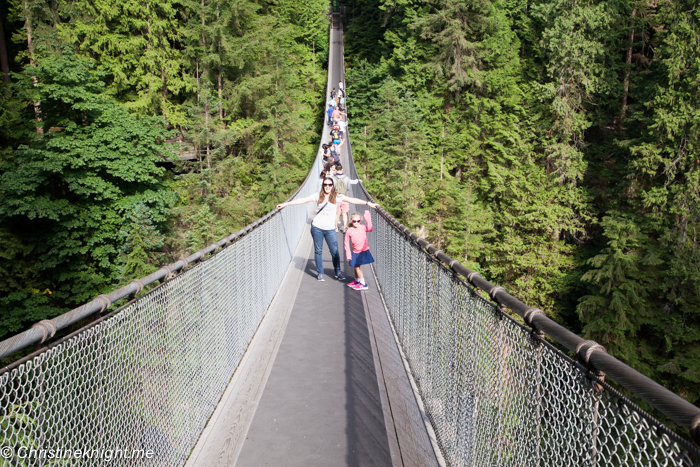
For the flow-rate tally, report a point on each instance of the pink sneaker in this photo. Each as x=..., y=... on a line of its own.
x=352, y=284
x=359, y=286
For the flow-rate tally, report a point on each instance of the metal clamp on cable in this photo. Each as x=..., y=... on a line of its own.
x=167, y=271
x=48, y=329
x=584, y=351
x=139, y=287
x=105, y=301
x=472, y=275
x=695, y=429
x=531, y=313
x=201, y=254
x=494, y=291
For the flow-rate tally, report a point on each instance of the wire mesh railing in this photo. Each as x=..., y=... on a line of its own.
x=496, y=392
x=147, y=377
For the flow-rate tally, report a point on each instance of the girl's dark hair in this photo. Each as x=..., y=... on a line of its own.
x=331, y=197
x=324, y=146
x=324, y=174
x=338, y=166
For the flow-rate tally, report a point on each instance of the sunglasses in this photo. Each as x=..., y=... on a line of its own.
x=356, y=221
x=327, y=184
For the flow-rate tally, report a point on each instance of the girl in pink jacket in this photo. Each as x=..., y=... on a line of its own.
x=356, y=236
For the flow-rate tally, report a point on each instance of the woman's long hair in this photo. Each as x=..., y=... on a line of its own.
x=322, y=194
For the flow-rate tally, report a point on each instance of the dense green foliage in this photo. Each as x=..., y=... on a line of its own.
x=100, y=99
x=552, y=145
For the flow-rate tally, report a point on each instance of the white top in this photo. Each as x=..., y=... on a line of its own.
x=325, y=220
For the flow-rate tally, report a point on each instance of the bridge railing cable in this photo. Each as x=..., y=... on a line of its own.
x=497, y=392
x=149, y=374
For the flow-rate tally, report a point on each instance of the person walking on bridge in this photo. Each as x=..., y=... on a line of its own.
x=337, y=114
x=342, y=182
x=323, y=224
x=341, y=96
x=337, y=140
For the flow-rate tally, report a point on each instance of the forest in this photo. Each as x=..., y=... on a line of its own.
x=551, y=145
x=97, y=100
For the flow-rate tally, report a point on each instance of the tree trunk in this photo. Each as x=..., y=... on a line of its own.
x=218, y=77
x=206, y=128
x=4, y=60
x=442, y=151
x=30, y=48
x=204, y=41
x=628, y=62
x=221, y=102
x=199, y=83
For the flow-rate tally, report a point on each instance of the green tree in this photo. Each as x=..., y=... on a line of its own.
x=68, y=192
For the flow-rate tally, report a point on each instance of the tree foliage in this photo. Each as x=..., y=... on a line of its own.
x=67, y=189
x=553, y=146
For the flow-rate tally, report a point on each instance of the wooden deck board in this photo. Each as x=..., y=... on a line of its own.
x=403, y=414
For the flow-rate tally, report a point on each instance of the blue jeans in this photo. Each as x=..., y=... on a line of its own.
x=332, y=241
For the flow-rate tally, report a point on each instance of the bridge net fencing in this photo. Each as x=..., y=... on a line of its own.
x=150, y=376
x=495, y=393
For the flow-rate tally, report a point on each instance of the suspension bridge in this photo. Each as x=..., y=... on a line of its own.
x=238, y=356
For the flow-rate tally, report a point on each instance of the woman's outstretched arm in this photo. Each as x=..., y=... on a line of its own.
x=308, y=199
x=350, y=200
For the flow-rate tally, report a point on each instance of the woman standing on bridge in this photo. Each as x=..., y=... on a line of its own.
x=323, y=225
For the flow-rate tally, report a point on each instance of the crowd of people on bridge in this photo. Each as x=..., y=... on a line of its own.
x=332, y=202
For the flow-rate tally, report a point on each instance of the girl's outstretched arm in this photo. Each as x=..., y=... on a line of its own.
x=368, y=219
x=350, y=200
